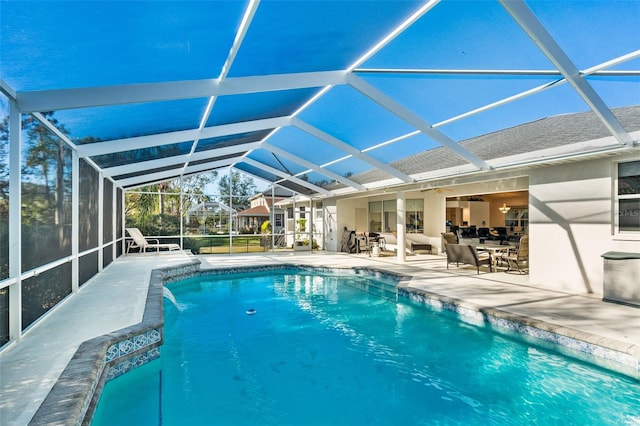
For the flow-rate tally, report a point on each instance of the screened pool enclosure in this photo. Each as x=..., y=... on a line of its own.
x=322, y=99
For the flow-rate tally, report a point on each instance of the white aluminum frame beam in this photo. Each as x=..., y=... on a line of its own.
x=419, y=13
x=286, y=176
x=314, y=167
x=7, y=90
x=525, y=18
x=250, y=12
x=174, y=173
x=414, y=120
x=149, y=141
x=180, y=160
x=600, y=69
x=343, y=146
x=497, y=72
x=60, y=99
x=49, y=125
x=444, y=71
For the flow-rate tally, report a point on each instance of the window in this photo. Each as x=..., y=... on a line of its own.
x=383, y=216
x=375, y=216
x=319, y=210
x=389, y=216
x=414, y=216
x=628, y=197
x=517, y=219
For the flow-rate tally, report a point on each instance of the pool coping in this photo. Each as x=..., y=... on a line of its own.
x=606, y=352
x=74, y=396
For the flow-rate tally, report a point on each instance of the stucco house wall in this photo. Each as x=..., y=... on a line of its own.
x=570, y=224
x=571, y=221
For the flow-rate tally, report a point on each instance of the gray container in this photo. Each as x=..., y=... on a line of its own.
x=621, y=278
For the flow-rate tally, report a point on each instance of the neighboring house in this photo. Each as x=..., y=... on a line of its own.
x=260, y=210
x=211, y=217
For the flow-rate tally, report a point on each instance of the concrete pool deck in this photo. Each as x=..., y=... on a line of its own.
x=115, y=299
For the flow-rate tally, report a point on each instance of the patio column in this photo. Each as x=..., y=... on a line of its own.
x=272, y=218
x=181, y=213
x=15, y=221
x=75, y=220
x=100, y=221
x=230, y=209
x=400, y=226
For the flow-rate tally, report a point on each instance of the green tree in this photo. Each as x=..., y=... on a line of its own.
x=237, y=186
x=156, y=209
x=49, y=159
x=4, y=204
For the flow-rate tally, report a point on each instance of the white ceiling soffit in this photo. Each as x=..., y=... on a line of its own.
x=536, y=31
x=286, y=176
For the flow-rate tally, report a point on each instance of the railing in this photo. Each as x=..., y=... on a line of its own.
x=242, y=243
x=225, y=244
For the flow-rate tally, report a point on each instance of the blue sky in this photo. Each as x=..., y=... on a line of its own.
x=53, y=45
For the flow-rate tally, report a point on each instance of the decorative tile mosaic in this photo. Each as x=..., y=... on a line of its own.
x=131, y=363
x=132, y=344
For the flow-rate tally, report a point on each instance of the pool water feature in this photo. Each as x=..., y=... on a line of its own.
x=320, y=350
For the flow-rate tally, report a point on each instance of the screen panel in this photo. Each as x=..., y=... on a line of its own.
x=4, y=315
x=4, y=187
x=87, y=267
x=107, y=208
x=46, y=196
x=88, y=207
x=42, y=292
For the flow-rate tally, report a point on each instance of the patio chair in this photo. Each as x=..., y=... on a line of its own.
x=516, y=259
x=139, y=241
x=484, y=233
x=448, y=238
x=467, y=253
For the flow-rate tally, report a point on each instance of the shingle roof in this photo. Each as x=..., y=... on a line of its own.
x=541, y=134
x=255, y=211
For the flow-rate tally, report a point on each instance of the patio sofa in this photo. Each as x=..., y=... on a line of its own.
x=412, y=242
x=419, y=242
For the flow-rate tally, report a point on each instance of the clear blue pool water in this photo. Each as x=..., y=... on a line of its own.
x=321, y=351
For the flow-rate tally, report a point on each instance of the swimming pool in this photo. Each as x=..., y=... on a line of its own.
x=320, y=350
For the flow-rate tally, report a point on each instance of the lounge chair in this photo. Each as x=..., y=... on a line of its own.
x=139, y=241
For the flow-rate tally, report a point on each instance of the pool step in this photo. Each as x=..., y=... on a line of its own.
x=376, y=288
